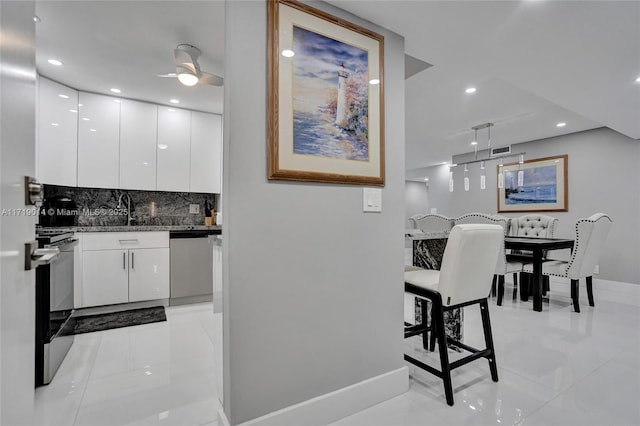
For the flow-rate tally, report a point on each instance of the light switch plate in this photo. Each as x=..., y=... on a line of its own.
x=194, y=208
x=371, y=200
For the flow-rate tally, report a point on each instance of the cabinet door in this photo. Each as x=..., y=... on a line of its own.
x=98, y=141
x=138, y=138
x=206, y=152
x=104, y=277
x=174, y=127
x=57, y=147
x=148, y=274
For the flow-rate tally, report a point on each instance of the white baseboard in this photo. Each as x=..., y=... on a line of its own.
x=343, y=402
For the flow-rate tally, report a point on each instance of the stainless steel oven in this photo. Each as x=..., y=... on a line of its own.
x=54, y=306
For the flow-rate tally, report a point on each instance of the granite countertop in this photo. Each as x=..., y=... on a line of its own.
x=133, y=228
x=417, y=234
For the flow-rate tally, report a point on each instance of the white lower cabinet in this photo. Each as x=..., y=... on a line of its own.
x=148, y=274
x=105, y=277
x=124, y=267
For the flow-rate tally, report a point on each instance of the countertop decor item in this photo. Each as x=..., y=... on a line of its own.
x=326, y=97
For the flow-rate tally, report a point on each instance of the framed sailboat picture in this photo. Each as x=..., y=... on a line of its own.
x=325, y=97
x=538, y=185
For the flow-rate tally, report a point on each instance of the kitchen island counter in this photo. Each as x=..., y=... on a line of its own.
x=216, y=229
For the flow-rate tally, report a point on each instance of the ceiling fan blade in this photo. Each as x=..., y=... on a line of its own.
x=212, y=79
x=169, y=74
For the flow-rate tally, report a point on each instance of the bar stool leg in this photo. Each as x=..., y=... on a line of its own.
x=438, y=317
x=488, y=339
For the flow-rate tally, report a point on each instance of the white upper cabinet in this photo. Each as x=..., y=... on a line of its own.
x=98, y=141
x=57, y=134
x=138, y=135
x=206, y=152
x=173, y=154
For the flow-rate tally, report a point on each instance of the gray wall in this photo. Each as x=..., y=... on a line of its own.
x=313, y=286
x=415, y=198
x=604, y=176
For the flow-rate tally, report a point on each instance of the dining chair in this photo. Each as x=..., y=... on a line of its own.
x=431, y=222
x=591, y=234
x=463, y=280
x=503, y=266
x=532, y=226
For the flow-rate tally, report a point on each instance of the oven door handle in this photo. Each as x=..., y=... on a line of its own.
x=35, y=256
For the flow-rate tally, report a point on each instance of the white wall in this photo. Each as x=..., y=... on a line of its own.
x=415, y=198
x=604, y=176
x=313, y=287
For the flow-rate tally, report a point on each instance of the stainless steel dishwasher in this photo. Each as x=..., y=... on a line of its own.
x=191, y=266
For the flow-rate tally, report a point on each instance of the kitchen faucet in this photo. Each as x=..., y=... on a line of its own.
x=124, y=196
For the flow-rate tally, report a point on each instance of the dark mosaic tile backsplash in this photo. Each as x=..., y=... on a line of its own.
x=71, y=206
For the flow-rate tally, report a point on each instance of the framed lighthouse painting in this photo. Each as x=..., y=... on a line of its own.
x=325, y=97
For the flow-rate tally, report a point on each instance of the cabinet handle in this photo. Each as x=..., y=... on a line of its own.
x=132, y=260
x=129, y=241
x=124, y=260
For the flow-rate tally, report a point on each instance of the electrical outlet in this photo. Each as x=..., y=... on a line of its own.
x=596, y=270
x=194, y=208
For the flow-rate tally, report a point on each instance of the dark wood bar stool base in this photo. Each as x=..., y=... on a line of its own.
x=439, y=332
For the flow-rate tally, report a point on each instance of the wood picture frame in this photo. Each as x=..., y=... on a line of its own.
x=542, y=187
x=325, y=110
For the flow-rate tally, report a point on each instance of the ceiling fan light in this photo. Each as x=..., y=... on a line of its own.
x=187, y=78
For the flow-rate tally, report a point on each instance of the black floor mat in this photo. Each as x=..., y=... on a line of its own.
x=90, y=323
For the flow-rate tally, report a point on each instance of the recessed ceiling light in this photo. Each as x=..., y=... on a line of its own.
x=85, y=118
x=638, y=80
x=163, y=146
x=55, y=124
x=561, y=124
x=470, y=90
x=288, y=53
x=36, y=19
x=73, y=110
x=55, y=62
x=92, y=130
x=63, y=96
x=444, y=163
x=174, y=101
x=426, y=179
x=374, y=81
x=145, y=163
x=114, y=90
x=474, y=143
x=171, y=110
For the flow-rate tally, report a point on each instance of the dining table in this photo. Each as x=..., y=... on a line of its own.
x=537, y=246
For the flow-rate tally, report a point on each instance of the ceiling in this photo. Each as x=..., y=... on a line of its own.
x=124, y=44
x=533, y=63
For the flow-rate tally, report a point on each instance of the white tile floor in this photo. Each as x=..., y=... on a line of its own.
x=159, y=373
x=556, y=367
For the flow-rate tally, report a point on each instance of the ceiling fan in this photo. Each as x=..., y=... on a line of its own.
x=188, y=70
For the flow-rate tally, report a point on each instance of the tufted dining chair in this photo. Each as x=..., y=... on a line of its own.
x=503, y=266
x=591, y=234
x=463, y=280
x=431, y=223
x=529, y=225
